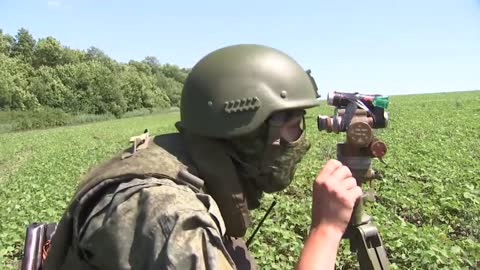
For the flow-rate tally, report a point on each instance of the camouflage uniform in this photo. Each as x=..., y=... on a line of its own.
x=138, y=213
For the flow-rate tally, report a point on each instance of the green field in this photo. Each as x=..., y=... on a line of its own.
x=427, y=209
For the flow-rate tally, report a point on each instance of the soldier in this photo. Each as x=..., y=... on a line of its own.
x=182, y=200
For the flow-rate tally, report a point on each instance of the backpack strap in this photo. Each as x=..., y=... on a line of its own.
x=191, y=180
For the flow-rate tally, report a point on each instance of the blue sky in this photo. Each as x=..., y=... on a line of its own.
x=383, y=46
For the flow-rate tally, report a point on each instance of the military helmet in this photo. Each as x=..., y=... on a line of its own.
x=233, y=90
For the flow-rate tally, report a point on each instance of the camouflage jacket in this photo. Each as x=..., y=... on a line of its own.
x=139, y=211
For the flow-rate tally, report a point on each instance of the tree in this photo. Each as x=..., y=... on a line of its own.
x=48, y=52
x=140, y=66
x=153, y=63
x=23, y=46
x=49, y=90
x=141, y=91
x=171, y=87
x=94, y=53
x=93, y=88
x=73, y=56
x=6, y=43
x=13, y=84
x=169, y=78
x=174, y=72
x=46, y=73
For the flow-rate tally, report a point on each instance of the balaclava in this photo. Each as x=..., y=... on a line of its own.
x=237, y=171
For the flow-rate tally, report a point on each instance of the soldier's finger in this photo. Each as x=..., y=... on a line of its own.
x=341, y=173
x=355, y=193
x=329, y=168
x=349, y=183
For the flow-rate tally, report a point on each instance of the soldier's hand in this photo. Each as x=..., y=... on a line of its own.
x=335, y=192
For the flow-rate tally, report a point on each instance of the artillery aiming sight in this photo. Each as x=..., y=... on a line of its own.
x=358, y=115
x=372, y=107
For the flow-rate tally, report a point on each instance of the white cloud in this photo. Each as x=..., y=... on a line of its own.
x=54, y=3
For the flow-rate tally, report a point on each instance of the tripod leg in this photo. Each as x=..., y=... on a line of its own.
x=371, y=253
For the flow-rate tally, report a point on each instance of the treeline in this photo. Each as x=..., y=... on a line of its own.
x=45, y=74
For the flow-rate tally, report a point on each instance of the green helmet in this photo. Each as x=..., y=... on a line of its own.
x=233, y=90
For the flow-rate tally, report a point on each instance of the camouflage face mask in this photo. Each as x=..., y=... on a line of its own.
x=279, y=167
x=266, y=160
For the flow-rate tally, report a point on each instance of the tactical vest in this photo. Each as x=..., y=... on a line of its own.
x=162, y=156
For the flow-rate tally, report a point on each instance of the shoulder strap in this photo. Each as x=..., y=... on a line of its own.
x=159, y=156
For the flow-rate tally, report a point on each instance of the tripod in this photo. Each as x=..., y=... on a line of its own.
x=357, y=115
x=364, y=237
